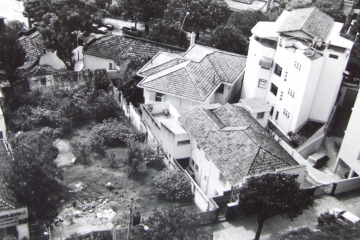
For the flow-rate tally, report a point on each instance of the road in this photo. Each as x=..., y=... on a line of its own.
x=12, y=10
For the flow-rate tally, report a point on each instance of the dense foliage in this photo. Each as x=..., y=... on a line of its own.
x=173, y=186
x=272, y=194
x=178, y=223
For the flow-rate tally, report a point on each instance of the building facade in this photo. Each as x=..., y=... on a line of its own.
x=296, y=64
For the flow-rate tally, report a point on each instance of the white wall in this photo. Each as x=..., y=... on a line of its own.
x=92, y=62
x=254, y=71
x=350, y=146
x=329, y=85
x=2, y=125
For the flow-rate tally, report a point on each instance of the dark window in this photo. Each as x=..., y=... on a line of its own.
x=220, y=89
x=262, y=83
x=274, y=89
x=272, y=111
x=185, y=142
x=281, y=95
x=1, y=135
x=196, y=167
x=337, y=49
x=277, y=115
x=333, y=56
x=110, y=66
x=222, y=178
x=158, y=97
x=260, y=115
x=280, y=42
x=278, y=70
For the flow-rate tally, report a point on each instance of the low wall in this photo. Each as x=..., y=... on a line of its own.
x=313, y=143
x=347, y=185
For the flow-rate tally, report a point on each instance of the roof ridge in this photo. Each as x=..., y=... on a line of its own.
x=276, y=156
x=218, y=128
x=36, y=71
x=253, y=161
x=221, y=67
x=191, y=79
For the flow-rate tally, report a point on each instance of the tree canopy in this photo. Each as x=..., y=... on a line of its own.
x=178, y=223
x=12, y=54
x=272, y=194
x=354, y=62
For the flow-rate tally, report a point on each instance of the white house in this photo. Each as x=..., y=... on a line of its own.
x=228, y=145
x=162, y=119
x=296, y=64
x=258, y=108
x=203, y=75
x=111, y=52
x=349, y=153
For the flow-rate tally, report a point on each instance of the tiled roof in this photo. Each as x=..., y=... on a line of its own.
x=33, y=43
x=194, y=76
x=311, y=21
x=235, y=142
x=7, y=199
x=120, y=47
x=43, y=70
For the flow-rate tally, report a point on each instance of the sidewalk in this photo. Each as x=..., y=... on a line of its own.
x=246, y=228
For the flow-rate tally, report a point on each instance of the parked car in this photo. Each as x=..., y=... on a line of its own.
x=131, y=31
x=345, y=216
x=96, y=29
x=109, y=26
x=318, y=160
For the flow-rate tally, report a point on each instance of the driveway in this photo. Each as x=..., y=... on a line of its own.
x=246, y=228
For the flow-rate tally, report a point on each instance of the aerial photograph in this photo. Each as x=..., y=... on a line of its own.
x=179, y=120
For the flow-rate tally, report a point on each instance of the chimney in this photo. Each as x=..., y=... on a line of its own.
x=192, y=38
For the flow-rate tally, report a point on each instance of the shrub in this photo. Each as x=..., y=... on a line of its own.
x=326, y=218
x=97, y=144
x=103, y=105
x=173, y=186
x=82, y=152
x=113, y=132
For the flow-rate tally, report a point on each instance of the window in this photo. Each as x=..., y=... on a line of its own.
x=158, y=97
x=281, y=95
x=337, y=49
x=333, y=56
x=216, y=193
x=192, y=162
x=205, y=177
x=152, y=96
x=222, y=178
x=262, y=83
x=185, y=142
x=196, y=167
x=280, y=42
x=220, y=89
x=285, y=77
x=278, y=70
x=272, y=110
x=1, y=135
x=277, y=115
x=110, y=66
x=274, y=89
x=260, y=115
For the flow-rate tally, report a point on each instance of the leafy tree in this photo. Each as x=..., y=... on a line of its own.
x=12, y=54
x=326, y=218
x=207, y=14
x=143, y=10
x=173, y=186
x=169, y=34
x=272, y=194
x=34, y=177
x=229, y=38
x=177, y=223
x=15, y=26
x=128, y=86
x=245, y=20
x=36, y=9
x=354, y=62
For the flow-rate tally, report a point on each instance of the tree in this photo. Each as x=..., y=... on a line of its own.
x=36, y=9
x=272, y=194
x=173, y=186
x=354, y=62
x=245, y=20
x=12, y=54
x=143, y=10
x=15, y=26
x=229, y=38
x=128, y=86
x=178, y=223
x=34, y=175
x=169, y=34
x=207, y=14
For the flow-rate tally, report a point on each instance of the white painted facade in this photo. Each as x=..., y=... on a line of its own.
x=93, y=62
x=2, y=127
x=308, y=83
x=207, y=175
x=230, y=93
x=350, y=147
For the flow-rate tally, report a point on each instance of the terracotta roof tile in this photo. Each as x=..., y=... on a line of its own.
x=7, y=198
x=245, y=150
x=34, y=47
x=206, y=72
x=311, y=21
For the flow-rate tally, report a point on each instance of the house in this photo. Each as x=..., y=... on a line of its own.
x=162, y=119
x=114, y=52
x=296, y=64
x=258, y=108
x=229, y=145
x=13, y=217
x=33, y=44
x=203, y=75
x=349, y=153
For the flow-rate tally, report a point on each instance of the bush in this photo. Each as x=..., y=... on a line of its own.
x=326, y=218
x=103, y=106
x=173, y=186
x=82, y=152
x=114, y=133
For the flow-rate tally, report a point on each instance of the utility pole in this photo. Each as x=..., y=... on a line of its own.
x=130, y=218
